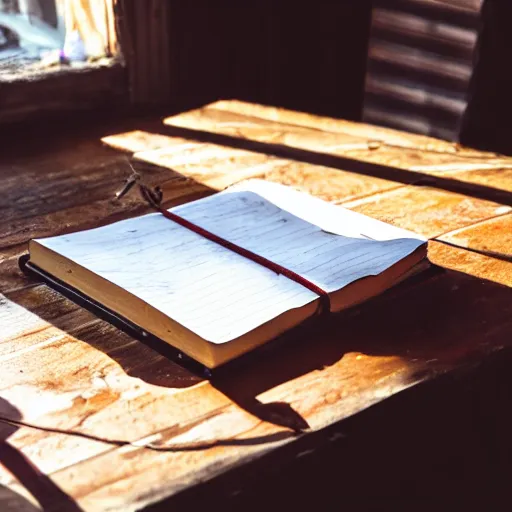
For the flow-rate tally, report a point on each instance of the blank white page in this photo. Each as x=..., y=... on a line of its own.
x=219, y=294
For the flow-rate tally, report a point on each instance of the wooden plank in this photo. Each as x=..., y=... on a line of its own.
x=493, y=235
x=333, y=185
x=62, y=368
x=89, y=215
x=23, y=327
x=61, y=192
x=219, y=166
x=251, y=128
x=473, y=264
x=66, y=199
x=214, y=166
x=97, y=86
x=58, y=178
x=428, y=211
x=141, y=140
x=500, y=179
x=332, y=143
x=386, y=136
x=87, y=368
x=426, y=162
x=74, y=388
x=82, y=366
x=336, y=380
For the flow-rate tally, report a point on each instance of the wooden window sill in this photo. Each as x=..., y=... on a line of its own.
x=34, y=94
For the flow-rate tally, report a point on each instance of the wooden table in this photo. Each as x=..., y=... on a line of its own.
x=95, y=420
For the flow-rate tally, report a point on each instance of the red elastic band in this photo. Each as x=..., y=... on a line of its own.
x=278, y=269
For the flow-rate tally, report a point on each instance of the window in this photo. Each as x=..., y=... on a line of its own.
x=57, y=55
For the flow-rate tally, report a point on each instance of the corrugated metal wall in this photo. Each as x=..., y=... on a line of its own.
x=420, y=63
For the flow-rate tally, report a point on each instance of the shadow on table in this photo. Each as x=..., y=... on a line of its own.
x=440, y=319
x=49, y=496
x=434, y=321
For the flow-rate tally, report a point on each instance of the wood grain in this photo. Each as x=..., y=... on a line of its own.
x=470, y=263
x=350, y=143
x=427, y=210
x=140, y=140
x=213, y=165
x=365, y=365
x=62, y=193
x=490, y=235
x=387, y=136
x=500, y=179
x=220, y=166
x=140, y=428
x=333, y=185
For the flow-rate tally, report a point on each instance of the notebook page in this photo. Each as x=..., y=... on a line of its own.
x=219, y=294
x=331, y=218
x=212, y=291
x=360, y=247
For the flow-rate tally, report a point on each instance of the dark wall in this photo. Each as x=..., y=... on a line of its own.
x=307, y=56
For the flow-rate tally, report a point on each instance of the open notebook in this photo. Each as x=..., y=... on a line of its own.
x=214, y=304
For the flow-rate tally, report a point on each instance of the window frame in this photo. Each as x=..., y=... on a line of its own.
x=137, y=75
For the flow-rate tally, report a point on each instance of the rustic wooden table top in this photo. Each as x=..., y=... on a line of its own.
x=106, y=422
